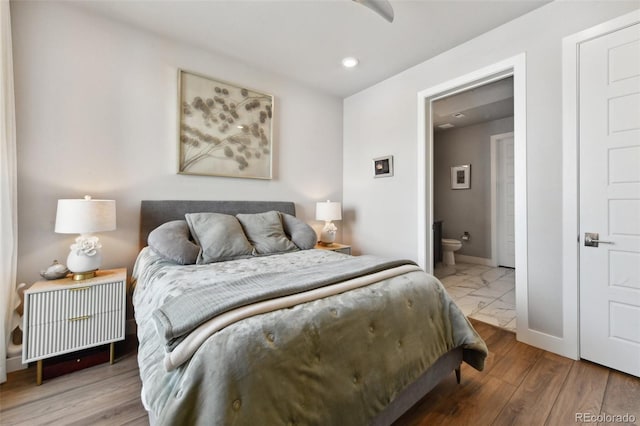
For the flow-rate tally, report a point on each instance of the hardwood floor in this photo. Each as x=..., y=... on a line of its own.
x=520, y=385
x=523, y=385
x=101, y=395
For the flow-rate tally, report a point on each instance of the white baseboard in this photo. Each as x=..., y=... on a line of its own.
x=15, y=364
x=555, y=344
x=473, y=259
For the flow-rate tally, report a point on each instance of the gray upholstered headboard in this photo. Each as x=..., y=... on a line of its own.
x=154, y=213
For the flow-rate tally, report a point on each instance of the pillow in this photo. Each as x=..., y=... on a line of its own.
x=300, y=233
x=220, y=237
x=265, y=232
x=171, y=240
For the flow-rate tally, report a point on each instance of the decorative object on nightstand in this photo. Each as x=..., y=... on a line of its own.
x=340, y=248
x=64, y=316
x=55, y=271
x=84, y=217
x=328, y=211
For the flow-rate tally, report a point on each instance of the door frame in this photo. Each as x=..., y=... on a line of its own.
x=570, y=175
x=494, y=194
x=514, y=66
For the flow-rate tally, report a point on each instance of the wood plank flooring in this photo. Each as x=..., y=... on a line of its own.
x=101, y=395
x=523, y=385
x=520, y=385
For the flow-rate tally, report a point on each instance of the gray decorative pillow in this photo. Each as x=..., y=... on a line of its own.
x=220, y=237
x=171, y=240
x=300, y=233
x=265, y=232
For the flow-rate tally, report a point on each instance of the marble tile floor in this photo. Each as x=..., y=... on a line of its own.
x=484, y=293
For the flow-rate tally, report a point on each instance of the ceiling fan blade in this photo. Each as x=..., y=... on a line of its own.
x=381, y=7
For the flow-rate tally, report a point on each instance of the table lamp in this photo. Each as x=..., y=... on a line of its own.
x=328, y=211
x=84, y=217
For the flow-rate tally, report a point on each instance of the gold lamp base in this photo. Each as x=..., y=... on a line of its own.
x=79, y=276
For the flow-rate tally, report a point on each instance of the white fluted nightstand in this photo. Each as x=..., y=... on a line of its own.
x=62, y=316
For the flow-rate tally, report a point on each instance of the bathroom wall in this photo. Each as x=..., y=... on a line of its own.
x=466, y=209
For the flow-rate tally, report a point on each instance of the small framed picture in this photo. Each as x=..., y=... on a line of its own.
x=383, y=166
x=461, y=177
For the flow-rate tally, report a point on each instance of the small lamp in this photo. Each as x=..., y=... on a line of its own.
x=85, y=216
x=328, y=211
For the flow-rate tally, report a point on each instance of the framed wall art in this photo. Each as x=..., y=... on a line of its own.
x=223, y=129
x=383, y=166
x=461, y=177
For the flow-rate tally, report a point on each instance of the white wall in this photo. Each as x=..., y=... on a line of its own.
x=383, y=120
x=96, y=114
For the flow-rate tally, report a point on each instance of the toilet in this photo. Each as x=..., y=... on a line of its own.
x=448, y=247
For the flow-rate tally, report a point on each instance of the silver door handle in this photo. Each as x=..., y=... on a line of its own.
x=591, y=240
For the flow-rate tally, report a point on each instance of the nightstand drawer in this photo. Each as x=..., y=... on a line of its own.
x=74, y=333
x=61, y=304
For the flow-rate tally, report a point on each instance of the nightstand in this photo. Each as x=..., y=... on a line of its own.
x=62, y=316
x=340, y=248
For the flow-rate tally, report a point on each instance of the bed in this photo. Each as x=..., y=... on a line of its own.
x=357, y=340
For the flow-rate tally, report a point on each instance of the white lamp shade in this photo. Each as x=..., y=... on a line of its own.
x=328, y=211
x=85, y=216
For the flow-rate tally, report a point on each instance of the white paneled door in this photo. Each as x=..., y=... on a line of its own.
x=506, y=201
x=609, y=149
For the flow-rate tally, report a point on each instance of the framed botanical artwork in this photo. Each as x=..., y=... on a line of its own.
x=383, y=166
x=223, y=129
x=461, y=177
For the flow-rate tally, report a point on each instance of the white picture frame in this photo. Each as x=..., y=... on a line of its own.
x=461, y=176
x=383, y=166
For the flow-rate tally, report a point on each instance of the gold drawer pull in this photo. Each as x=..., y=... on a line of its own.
x=79, y=288
x=84, y=317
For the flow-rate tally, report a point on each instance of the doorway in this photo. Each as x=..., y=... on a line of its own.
x=516, y=67
x=473, y=130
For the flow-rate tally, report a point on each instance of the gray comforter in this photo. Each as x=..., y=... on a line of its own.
x=335, y=360
x=180, y=315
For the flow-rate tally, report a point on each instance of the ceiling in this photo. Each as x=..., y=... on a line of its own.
x=305, y=40
x=478, y=105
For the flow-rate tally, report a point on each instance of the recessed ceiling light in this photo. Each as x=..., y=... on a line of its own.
x=446, y=126
x=458, y=115
x=349, y=62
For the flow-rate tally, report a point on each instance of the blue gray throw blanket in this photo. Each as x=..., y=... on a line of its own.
x=179, y=316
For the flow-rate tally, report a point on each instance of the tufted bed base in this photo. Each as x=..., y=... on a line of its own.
x=417, y=390
x=156, y=212
x=442, y=368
